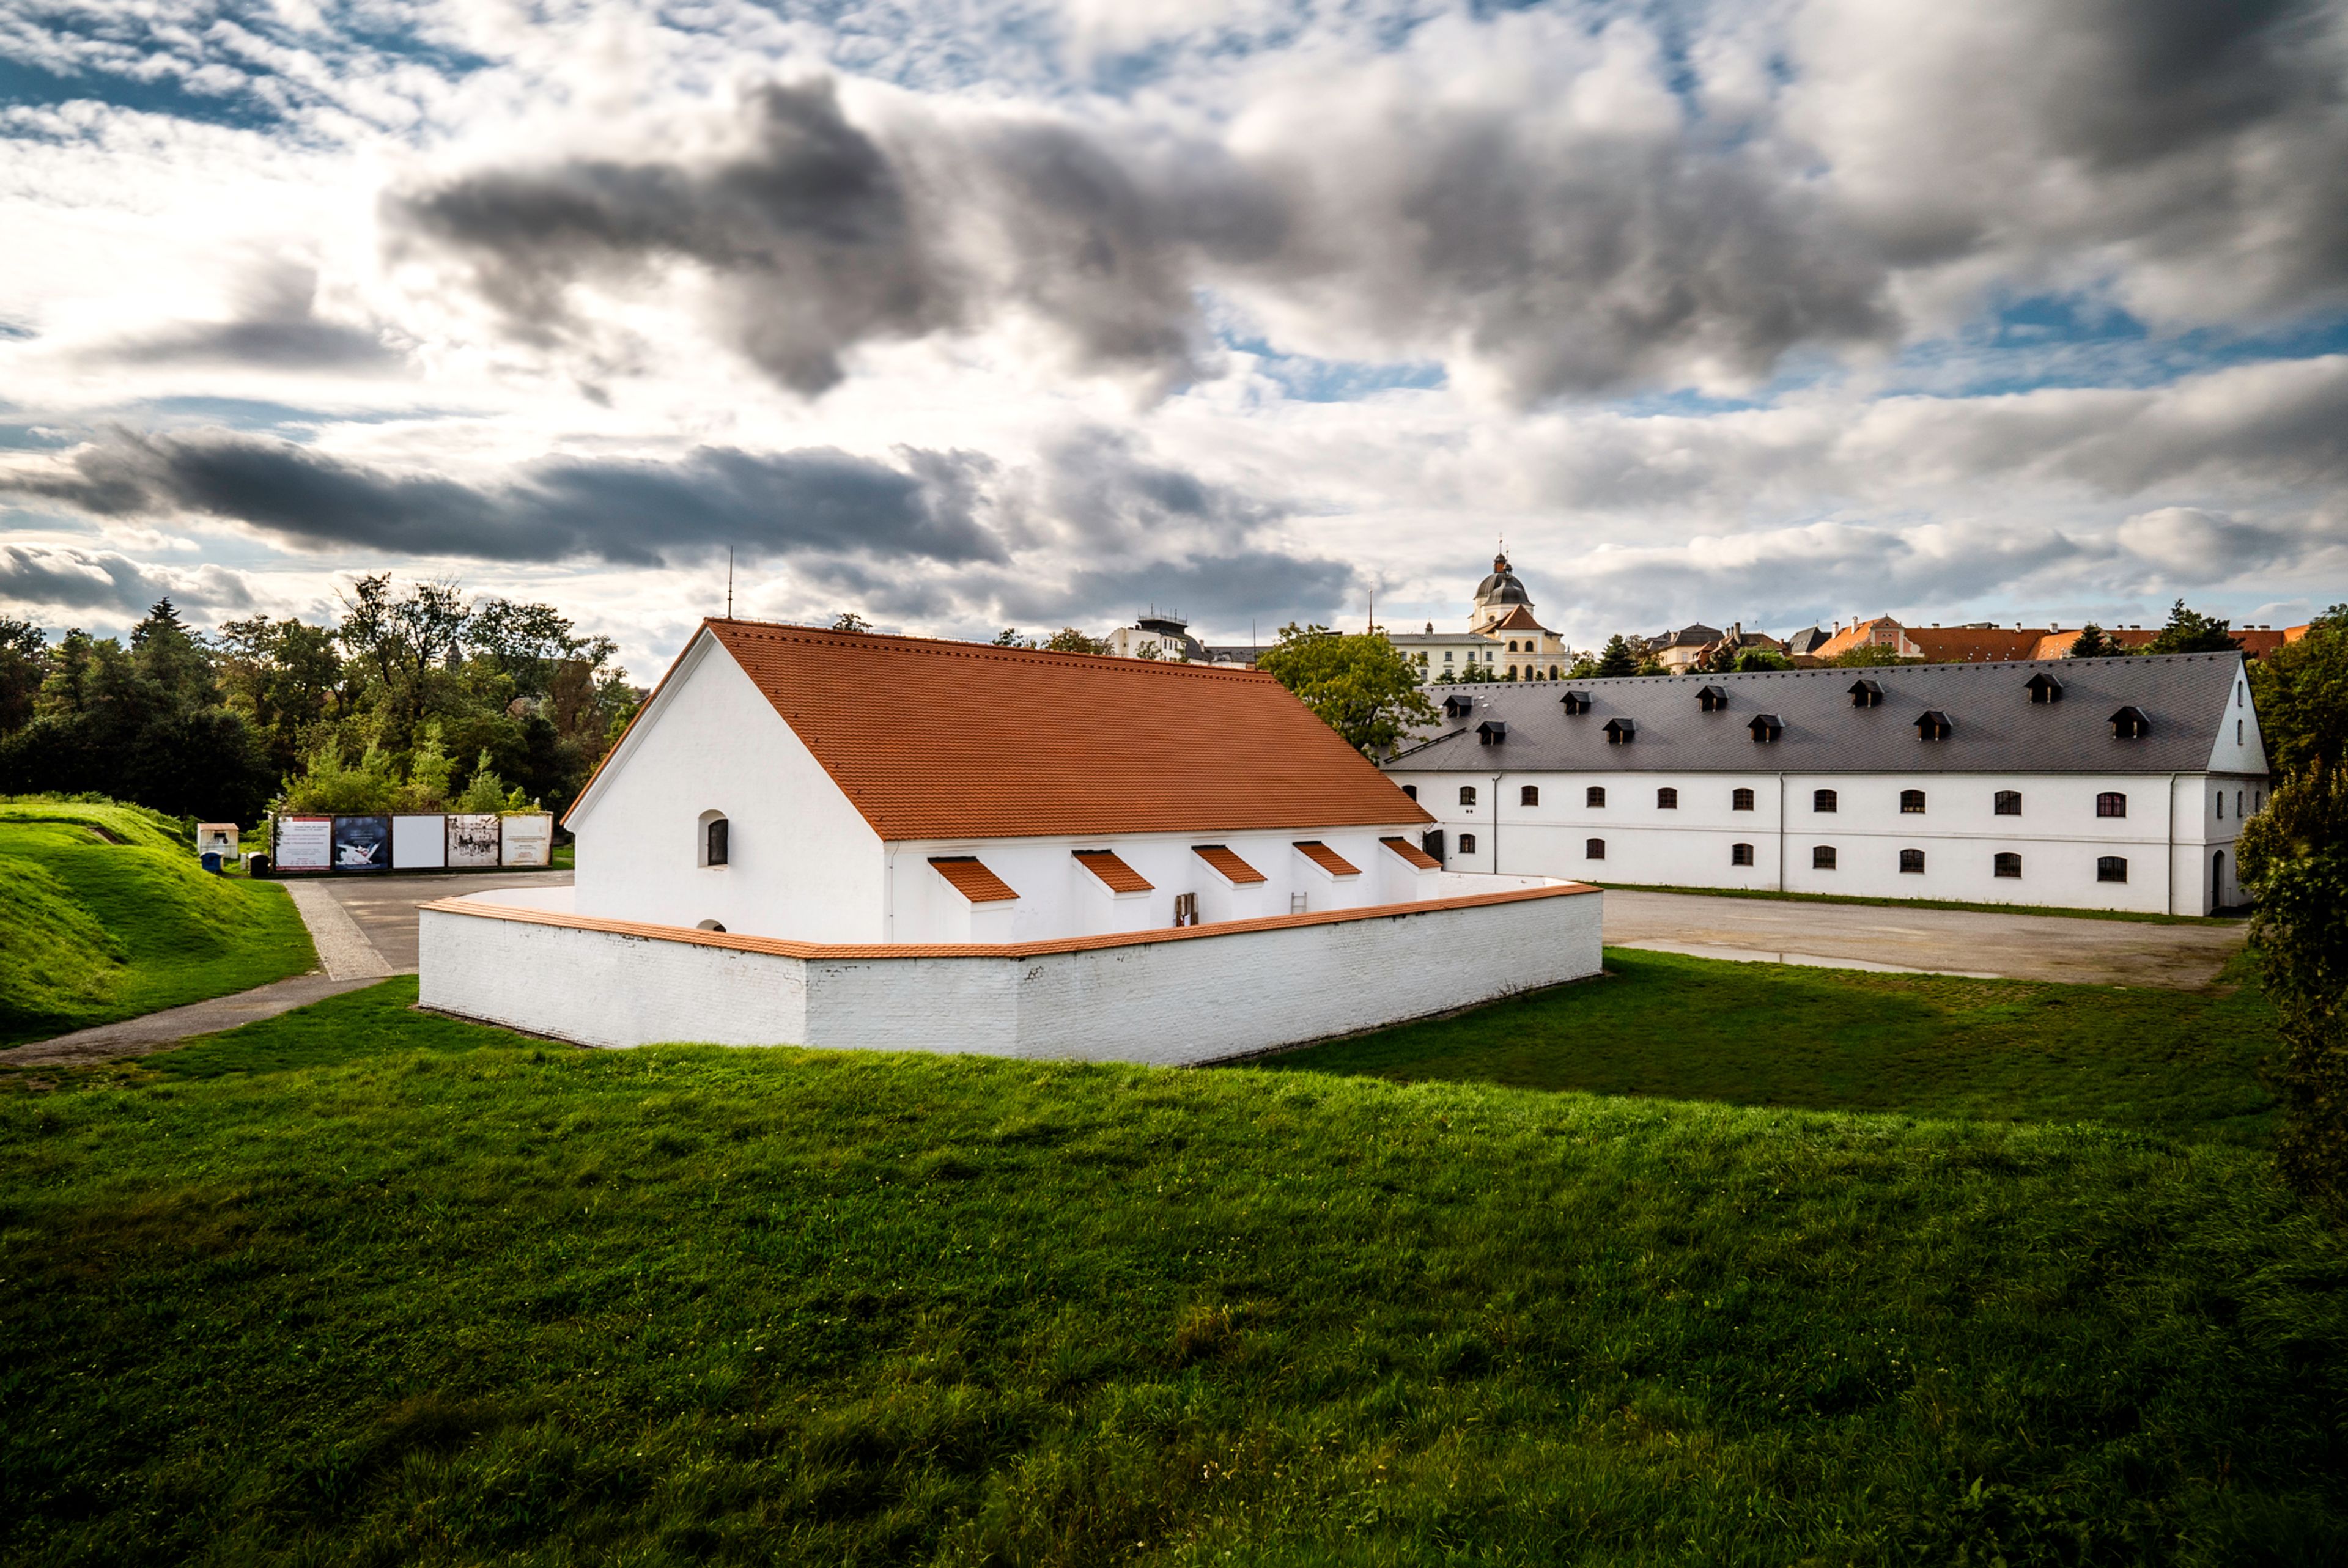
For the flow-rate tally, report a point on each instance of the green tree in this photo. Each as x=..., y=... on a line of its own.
x=1618, y=658
x=24, y=664
x=1009, y=638
x=1068, y=640
x=2190, y=631
x=1465, y=675
x=851, y=621
x=1870, y=656
x=2302, y=690
x=1753, y=658
x=487, y=792
x=2093, y=642
x=1360, y=686
x=2294, y=862
x=401, y=639
x=284, y=676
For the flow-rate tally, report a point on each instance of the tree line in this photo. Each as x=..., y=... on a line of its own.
x=416, y=698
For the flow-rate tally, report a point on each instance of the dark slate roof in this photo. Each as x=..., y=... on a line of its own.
x=1995, y=727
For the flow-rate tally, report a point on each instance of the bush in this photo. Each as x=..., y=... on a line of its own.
x=2295, y=861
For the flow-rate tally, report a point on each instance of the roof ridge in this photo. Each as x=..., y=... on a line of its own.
x=956, y=648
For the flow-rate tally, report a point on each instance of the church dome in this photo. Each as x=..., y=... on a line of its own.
x=1501, y=586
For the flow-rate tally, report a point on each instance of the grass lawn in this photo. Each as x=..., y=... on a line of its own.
x=2182, y=1063
x=104, y=914
x=359, y=1286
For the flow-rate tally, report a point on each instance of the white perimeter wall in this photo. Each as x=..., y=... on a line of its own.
x=1192, y=998
x=802, y=863
x=2172, y=836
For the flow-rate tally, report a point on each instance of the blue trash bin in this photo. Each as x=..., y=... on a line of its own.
x=212, y=861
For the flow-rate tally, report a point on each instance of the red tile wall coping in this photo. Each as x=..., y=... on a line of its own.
x=784, y=948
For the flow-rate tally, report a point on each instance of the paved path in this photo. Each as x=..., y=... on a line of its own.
x=1935, y=941
x=365, y=929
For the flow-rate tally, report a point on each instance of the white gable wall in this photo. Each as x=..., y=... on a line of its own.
x=802, y=861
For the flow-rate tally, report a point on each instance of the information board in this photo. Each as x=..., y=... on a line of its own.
x=419, y=843
x=473, y=839
x=306, y=843
x=529, y=840
x=362, y=843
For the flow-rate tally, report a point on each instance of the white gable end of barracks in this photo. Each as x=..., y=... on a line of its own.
x=802, y=861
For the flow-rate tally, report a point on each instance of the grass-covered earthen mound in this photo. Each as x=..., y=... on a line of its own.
x=361, y=1286
x=105, y=913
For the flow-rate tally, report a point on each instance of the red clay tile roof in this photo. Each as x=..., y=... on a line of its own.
x=958, y=740
x=971, y=879
x=1112, y=871
x=1328, y=860
x=1233, y=868
x=1412, y=853
x=1517, y=619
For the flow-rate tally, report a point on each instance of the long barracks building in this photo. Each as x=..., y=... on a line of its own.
x=2098, y=784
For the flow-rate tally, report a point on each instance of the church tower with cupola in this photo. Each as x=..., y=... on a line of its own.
x=1496, y=595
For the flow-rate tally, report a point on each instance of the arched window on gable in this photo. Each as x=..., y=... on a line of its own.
x=715, y=838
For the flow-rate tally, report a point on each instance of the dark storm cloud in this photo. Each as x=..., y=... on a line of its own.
x=630, y=512
x=1102, y=485
x=277, y=330
x=820, y=238
x=74, y=579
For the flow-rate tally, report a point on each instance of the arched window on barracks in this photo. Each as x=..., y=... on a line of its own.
x=715, y=839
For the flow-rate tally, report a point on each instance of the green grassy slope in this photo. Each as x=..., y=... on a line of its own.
x=2178, y=1062
x=358, y=1285
x=93, y=931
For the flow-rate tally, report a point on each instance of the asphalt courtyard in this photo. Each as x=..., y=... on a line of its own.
x=1902, y=938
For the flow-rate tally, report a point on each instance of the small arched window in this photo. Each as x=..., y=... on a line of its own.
x=1593, y=849
x=1466, y=843
x=1740, y=855
x=2111, y=803
x=1595, y=795
x=1825, y=800
x=2008, y=803
x=1912, y=802
x=1912, y=860
x=1467, y=795
x=2005, y=863
x=1822, y=857
x=1740, y=799
x=715, y=838
x=1529, y=795
x=710, y=926
x=1512, y=647
x=1410, y=790
x=1667, y=799
x=2111, y=868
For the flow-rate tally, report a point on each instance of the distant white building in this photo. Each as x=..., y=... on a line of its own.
x=2099, y=784
x=845, y=839
x=1503, y=636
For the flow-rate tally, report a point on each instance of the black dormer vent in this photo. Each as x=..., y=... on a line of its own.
x=1492, y=733
x=1765, y=729
x=1712, y=698
x=1458, y=707
x=1621, y=732
x=2043, y=687
x=1866, y=694
x=1576, y=701
x=1932, y=724
x=2130, y=724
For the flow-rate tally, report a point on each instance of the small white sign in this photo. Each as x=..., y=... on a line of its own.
x=306, y=843
x=529, y=840
x=419, y=843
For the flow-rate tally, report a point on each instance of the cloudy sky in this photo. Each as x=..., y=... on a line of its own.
x=980, y=312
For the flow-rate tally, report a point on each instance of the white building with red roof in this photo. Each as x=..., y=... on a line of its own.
x=881, y=816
